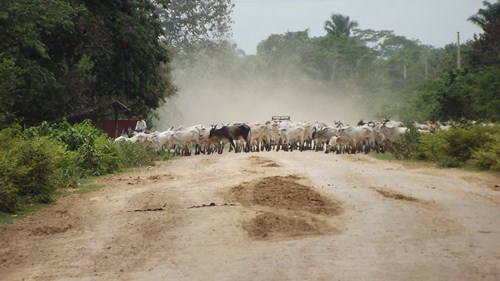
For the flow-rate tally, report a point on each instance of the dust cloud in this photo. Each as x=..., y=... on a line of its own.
x=222, y=90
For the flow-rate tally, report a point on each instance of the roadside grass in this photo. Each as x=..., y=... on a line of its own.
x=388, y=156
x=384, y=156
x=6, y=218
x=85, y=185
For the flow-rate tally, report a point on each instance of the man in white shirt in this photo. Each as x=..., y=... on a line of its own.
x=141, y=126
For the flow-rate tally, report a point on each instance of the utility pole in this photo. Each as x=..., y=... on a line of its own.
x=458, y=50
x=426, y=69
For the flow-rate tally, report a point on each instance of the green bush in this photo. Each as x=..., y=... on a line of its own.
x=453, y=148
x=39, y=164
x=30, y=170
x=461, y=142
x=450, y=162
x=407, y=145
x=95, y=154
x=432, y=147
x=108, y=157
x=37, y=161
x=488, y=157
x=137, y=154
x=9, y=200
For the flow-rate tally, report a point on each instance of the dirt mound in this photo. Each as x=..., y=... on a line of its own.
x=272, y=225
x=286, y=208
x=287, y=193
x=48, y=230
x=388, y=193
x=263, y=162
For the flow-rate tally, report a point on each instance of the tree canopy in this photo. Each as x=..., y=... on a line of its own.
x=340, y=25
x=60, y=58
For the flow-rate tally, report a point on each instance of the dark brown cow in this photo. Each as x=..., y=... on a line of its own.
x=232, y=133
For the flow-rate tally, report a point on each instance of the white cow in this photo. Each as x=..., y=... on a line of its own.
x=274, y=131
x=322, y=136
x=358, y=137
x=392, y=134
x=337, y=144
x=183, y=138
x=260, y=137
x=136, y=137
x=162, y=141
x=293, y=135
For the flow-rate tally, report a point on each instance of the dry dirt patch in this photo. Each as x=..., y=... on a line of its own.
x=286, y=208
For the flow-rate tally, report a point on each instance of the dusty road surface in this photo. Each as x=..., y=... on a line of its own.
x=266, y=216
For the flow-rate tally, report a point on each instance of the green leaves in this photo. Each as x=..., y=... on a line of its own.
x=486, y=16
x=29, y=169
x=340, y=25
x=195, y=23
x=66, y=57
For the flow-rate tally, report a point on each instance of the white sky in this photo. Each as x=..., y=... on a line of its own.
x=432, y=22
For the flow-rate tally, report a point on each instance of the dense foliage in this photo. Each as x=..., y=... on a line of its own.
x=195, y=23
x=34, y=163
x=477, y=145
x=30, y=170
x=63, y=58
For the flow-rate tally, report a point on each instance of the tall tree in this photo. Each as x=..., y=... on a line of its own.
x=486, y=16
x=67, y=57
x=126, y=53
x=340, y=25
x=487, y=46
x=30, y=30
x=195, y=22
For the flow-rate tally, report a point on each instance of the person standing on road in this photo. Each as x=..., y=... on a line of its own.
x=141, y=125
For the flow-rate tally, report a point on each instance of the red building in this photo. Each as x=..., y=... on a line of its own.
x=115, y=128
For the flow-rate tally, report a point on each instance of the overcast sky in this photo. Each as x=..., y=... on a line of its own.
x=432, y=22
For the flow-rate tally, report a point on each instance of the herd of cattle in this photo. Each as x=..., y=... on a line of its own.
x=279, y=134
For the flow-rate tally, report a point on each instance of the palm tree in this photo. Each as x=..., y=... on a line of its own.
x=340, y=25
x=488, y=15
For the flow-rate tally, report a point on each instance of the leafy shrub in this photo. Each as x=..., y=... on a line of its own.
x=9, y=200
x=450, y=162
x=487, y=157
x=137, y=154
x=30, y=170
x=462, y=141
x=39, y=163
x=94, y=153
x=107, y=156
x=452, y=148
x=432, y=147
x=407, y=145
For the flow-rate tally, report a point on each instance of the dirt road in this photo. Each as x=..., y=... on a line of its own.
x=266, y=216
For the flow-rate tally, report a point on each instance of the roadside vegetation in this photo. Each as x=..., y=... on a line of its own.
x=476, y=146
x=36, y=163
